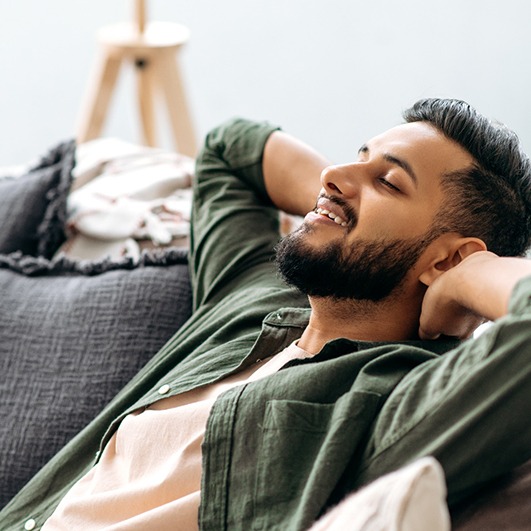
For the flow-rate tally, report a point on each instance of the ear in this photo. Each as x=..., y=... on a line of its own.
x=450, y=252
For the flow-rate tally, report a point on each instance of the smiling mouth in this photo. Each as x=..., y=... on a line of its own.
x=334, y=217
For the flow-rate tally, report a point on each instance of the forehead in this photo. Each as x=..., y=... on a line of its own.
x=423, y=147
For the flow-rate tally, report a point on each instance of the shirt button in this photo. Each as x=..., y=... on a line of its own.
x=163, y=389
x=30, y=524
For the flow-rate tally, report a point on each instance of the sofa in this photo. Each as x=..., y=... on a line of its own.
x=92, y=287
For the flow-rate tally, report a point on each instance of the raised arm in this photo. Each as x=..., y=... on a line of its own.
x=292, y=171
x=481, y=285
x=235, y=222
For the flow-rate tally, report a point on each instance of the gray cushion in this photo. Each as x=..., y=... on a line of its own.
x=33, y=206
x=71, y=336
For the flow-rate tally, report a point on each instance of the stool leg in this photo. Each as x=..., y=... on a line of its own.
x=98, y=97
x=145, y=78
x=169, y=79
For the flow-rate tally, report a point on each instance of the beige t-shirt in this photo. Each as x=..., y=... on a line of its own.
x=149, y=474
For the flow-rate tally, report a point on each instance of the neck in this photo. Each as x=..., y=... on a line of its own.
x=388, y=320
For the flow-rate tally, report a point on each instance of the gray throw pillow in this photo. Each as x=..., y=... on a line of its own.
x=71, y=336
x=33, y=206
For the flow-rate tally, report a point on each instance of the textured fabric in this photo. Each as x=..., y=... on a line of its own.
x=162, y=490
x=33, y=206
x=70, y=340
x=278, y=452
x=411, y=499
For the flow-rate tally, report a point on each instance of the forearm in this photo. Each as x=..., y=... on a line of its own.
x=476, y=289
x=292, y=171
x=485, y=282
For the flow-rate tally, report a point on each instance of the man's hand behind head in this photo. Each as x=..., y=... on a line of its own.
x=477, y=289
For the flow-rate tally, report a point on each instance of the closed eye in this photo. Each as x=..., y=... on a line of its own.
x=389, y=185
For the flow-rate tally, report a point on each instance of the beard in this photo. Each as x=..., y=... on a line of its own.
x=367, y=270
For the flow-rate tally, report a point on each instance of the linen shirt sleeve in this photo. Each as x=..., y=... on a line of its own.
x=520, y=301
x=234, y=224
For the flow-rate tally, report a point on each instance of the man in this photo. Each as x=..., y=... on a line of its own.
x=262, y=412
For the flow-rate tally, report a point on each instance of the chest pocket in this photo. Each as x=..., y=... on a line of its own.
x=304, y=450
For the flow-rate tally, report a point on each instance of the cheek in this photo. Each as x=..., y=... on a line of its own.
x=394, y=221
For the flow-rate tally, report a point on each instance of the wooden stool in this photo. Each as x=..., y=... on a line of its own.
x=151, y=48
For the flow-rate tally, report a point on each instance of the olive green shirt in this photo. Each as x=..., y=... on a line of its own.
x=278, y=451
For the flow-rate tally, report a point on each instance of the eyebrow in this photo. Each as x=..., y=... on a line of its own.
x=401, y=163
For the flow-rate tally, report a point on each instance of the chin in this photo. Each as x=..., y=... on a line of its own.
x=310, y=236
x=362, y=270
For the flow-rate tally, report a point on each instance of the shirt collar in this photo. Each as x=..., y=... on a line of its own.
x=300, y=317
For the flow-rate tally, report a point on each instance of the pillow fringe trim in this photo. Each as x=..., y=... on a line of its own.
x=51, y=231
x=62, y=264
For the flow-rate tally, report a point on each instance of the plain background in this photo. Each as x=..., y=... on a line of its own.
x=334, y=72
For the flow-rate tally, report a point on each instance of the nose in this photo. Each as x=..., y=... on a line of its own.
x=340, y=179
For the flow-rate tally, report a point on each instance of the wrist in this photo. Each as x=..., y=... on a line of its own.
x=486, y=281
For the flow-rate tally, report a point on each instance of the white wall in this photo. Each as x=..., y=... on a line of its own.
x=332, y=71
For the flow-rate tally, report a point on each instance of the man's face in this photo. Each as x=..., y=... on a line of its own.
x=374, y=217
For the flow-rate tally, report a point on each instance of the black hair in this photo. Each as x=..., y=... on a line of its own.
x=491, y=199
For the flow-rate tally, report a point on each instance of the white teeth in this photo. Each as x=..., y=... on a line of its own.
x=332, y=216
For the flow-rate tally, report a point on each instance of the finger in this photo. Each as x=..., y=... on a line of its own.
x=427, y=335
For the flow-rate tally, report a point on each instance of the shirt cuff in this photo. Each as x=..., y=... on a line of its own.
x=520, y=301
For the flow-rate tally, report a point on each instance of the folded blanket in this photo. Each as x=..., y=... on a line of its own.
x=127, y=197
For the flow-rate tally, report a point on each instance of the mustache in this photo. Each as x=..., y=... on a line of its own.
x=349, y=212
